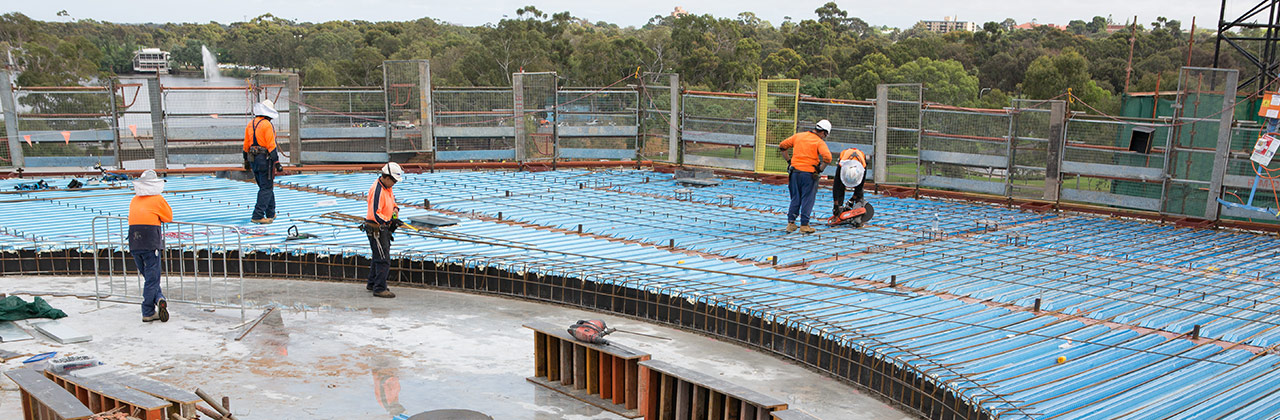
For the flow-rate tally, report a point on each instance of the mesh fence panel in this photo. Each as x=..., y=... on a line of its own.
x=655, y=121
x=205, y=125
x=1133, y=176
x=133, y=108
x=718, y=131
x=404, y=83
x=536, y=134
x=777, y=107
x=903, y=134
x=595, y=119
x=1195, y=137
x=68, y=127
x=340, y=121
x=1248, y=183
x=969, y=148
x=852, y=125
x=1030, y=122
x=473, y=120
x=6, y=161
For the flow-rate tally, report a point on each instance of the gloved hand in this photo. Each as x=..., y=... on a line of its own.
x=245, y=156
x=279, y=167
x=817, y=176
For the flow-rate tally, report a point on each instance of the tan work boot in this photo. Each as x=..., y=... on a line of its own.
x=268, y=220
x=791, y=227
x=384, y=294
x=807, y=229
x=259, y=221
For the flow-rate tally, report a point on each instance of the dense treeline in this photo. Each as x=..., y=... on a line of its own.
x=835, y=55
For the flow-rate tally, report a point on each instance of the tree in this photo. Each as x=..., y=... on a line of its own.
x=1008, y=24
x=1051, y=76
x=784, y=63
x=946, y=81
x=1097, y=25
x=319, y=73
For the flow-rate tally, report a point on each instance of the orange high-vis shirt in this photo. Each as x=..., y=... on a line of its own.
x=854, y=153
x=266, y=133
x=382, y=203
x=149, y=210
x=808, y=148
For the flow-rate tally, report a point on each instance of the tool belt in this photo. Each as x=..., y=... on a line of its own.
x=258, y=150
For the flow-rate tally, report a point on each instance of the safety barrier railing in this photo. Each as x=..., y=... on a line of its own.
x=201, y=263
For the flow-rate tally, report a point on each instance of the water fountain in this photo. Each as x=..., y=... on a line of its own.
x=210, y=64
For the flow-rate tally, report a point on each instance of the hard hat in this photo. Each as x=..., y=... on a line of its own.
x=266, y=108
x=824, y=125
x=393, y=169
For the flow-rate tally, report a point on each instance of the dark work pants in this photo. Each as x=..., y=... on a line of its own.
x=837, y=192
x=380, y=263
x=803, y=190
x=266, y=205
x=148, y=262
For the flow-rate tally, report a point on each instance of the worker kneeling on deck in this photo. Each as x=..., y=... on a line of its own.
x=261, y=157
x=147, y=211
x=380, y=222
x=807, y=156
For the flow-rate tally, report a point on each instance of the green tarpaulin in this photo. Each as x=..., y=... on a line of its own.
x=13, y=308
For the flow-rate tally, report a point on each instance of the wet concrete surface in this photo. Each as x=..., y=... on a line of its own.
x=333, y=344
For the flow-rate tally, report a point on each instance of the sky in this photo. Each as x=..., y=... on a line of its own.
x=899, y=13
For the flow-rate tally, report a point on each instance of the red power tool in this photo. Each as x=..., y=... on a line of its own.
x=592, y=331
x=855, y=214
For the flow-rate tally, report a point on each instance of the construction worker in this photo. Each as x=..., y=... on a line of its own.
x=807, y=156
x=851, y=170
x=380, y=222
x=261, y=157
x=146, y=212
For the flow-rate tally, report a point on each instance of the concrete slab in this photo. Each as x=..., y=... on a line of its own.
x=444, y=350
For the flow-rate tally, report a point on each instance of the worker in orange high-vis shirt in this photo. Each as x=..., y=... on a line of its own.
x=146, y=212
x=380, y=222
x=261, y=157
x=851, y=172
x=807, y=156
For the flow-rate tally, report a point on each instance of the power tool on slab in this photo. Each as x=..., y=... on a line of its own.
x=592, y=331
x=853, y=213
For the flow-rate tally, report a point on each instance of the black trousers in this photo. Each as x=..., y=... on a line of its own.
x=380, y=264
x=837, y=193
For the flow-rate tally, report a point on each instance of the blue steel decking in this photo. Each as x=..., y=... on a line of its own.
x=1120, y=291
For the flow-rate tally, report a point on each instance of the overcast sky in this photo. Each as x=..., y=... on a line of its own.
x=897, y=13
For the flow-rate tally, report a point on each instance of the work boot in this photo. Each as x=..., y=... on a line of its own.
x=791, y=227
x=268, y=220
x=163, y=310
x=153, y=317
x=384, y=294
x=259, y=221
x=806, y=229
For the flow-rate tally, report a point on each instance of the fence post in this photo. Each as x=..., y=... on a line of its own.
x=1057, y=138
x=11, y=120
x=517, y=106
x=115, y=122
x=673, y=123
x=881, y=173
x=295, y=121
x=387, y=110
x=427, y=120
x=1224, y=145
x=158, y=142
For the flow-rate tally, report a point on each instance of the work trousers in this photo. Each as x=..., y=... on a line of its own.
x=803, y=189
x=148, y=262
x=837, y=193
x=380, y=264
x=262, y=174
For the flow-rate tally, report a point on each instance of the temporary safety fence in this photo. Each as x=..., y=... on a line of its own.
x=1176, y=164
x=201, y=263
x=659, y=117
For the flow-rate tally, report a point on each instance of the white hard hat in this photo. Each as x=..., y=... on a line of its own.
x=393, y=169
x=266, y=108
x=823, y=125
